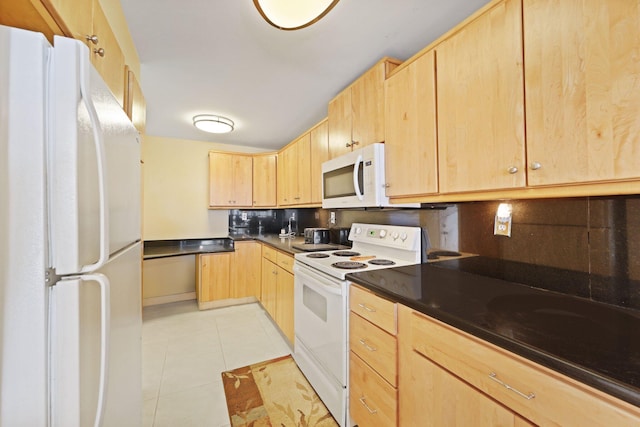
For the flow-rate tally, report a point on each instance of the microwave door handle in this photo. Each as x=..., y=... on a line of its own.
x=85, y=75
x=356, y=170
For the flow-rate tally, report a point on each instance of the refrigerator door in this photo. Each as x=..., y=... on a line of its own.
x=94, y=165
x=96, y=353
x=23, y=261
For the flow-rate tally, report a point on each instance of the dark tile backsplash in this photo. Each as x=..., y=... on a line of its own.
x=272, y=220
x=598, y=236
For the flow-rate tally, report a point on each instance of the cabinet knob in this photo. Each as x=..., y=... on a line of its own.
x=99, y=52
x=92, y=38
x=387, y=185
x=512, y=170
x=347, y=145
x=355, y=143
x=535, y=166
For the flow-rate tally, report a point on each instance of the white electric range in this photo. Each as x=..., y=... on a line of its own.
x=321, y=304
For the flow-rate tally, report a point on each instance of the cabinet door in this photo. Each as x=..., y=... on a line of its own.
x=76, y=15
x=583, y=90
x=264, y=180
x=135, y=104
x=242, y=180
x=339, y=119
x=220, y=179
x=284, y=303
x=481, y=103
x=367, y=107
x=302, y=181
x=246, y=270
x=439, y=398
x=319, y=155
x=269, y=287
x=411, y=152
x=213, y=277
x=110, y=63
x=287, y=186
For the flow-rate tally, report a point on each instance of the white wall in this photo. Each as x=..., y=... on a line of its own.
x=176, y=189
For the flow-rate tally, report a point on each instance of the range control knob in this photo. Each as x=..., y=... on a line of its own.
x=358, y=230
x=383, y=234
x=395, y=235
x=403, y=236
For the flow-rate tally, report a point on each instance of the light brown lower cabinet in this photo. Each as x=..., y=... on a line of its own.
x=447, y=377
x=277, y=289
x=246, y=270
x=212, y=277
x=229, y=276
x=372, y=359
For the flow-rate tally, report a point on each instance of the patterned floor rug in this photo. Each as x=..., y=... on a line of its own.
x=273, y=393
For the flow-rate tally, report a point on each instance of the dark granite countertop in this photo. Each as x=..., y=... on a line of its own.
x=169, y=248
x=592, y=342
x=291, y=246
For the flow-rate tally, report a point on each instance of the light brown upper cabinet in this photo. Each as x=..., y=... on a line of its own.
x=480, y=88
x=356, y=115
x=134, y=103
x=230, y=180
x=582, y=68
x=411, y=152
x=30, y=15
x=294, y=172
x=319, y=154
x=85, y=20
x=264, y=180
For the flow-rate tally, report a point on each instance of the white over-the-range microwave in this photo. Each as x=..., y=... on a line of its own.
x=357, y=180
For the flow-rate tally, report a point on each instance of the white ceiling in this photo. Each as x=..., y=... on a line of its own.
x=221, y=57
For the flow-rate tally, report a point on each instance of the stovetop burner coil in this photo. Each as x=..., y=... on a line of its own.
x=317, y=255
x=346, y=253
x=381, y=261
x=348, y=265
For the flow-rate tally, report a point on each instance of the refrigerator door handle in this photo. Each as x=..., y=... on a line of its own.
x=85, y=74
x=105, y=327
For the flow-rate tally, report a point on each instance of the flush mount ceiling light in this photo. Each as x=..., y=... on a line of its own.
x=293, y=14
x=212, y=123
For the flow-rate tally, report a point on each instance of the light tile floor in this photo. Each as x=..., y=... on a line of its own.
x=184, y=350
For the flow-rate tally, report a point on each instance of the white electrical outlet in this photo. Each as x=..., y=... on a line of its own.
x=502, y=222
x=244, y=216
x=332, y=217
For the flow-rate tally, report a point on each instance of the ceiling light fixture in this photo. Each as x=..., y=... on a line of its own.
x=212, y=123
x=293, y=14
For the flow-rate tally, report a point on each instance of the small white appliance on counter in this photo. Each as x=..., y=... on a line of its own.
x=357, y=180
x=70, y=308
x=321, y=304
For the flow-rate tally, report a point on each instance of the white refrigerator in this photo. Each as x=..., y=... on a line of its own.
x=70, y=250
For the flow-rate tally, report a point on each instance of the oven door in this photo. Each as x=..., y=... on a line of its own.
x=320, y=312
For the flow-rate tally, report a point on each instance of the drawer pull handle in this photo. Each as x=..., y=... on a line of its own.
x=494, y=377
x=367, y=346
x=369, y=309
x=364, y=403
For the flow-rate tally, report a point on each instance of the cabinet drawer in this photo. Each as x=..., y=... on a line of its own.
x=374, y=346
x=537, y=393
x=269, y=253
x=370, y=389
x=285, y=261
x=378, y=311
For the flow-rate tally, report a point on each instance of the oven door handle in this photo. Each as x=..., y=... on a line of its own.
x=318, y=283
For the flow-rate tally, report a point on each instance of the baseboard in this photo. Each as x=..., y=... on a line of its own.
x=168, y=299
x=226, y=302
